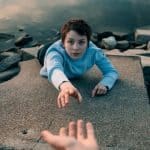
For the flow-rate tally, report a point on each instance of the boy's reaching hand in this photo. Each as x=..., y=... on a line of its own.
x=67, y=90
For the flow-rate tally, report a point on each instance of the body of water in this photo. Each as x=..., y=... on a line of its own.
x=38, y=17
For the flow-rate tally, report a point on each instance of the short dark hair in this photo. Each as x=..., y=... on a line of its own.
x=78, y=25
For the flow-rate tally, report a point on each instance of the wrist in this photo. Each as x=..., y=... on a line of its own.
x=61, y=85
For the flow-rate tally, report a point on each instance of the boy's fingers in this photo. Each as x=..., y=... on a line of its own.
x=58, y=102
x=62, y=101
x=94, y=91
x=79, y=97
x=66, y=98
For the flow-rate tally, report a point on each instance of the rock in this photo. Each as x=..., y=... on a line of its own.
x=128, y=37
x=31, y=51
x=21, y=29
x=142, y=35
x=109, y=43
x=122, y=45
x=6, y=36
x=35, y=43
x=94, y=38
x=9, y=61
x=146, y=70
x=148, y=45
x=14, y=49
x=27, y=56
x=142, y=46
x=6, y=54
x=23, y=40
x=102, y=35
x=8, y=74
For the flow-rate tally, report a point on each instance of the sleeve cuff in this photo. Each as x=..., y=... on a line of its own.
x=57, y=78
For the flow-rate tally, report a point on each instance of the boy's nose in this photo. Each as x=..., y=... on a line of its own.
x=76, y=46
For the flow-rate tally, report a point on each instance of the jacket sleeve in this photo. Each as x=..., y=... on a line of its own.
x=55, y=70
x=110, y=74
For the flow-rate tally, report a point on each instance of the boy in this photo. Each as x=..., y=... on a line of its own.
x=71, y=57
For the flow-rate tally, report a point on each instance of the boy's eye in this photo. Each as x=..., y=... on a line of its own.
x=81, y=42
x=70, y=42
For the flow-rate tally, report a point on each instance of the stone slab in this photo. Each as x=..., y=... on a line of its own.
x=121, y=118
x=144, y=55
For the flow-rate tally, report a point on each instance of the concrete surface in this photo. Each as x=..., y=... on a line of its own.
x=121, y=118
x=143, y=54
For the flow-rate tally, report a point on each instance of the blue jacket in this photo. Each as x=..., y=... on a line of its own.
x=59, y=66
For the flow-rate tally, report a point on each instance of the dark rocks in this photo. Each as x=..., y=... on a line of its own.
x=14, y=49
x=122, y=45
x=148, y=45
x=142, y=35
x=23, y=40
x=9, y=73
x=9, y=61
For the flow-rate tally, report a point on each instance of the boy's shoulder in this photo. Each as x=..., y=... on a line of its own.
x=94, y=48
x=56, y=46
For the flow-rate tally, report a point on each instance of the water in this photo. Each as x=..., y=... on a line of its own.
x=38, y=17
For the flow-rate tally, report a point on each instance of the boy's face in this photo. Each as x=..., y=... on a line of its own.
x=75, y=44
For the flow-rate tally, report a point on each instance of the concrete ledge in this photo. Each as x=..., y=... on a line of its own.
x=144, y=55
x=121, y=118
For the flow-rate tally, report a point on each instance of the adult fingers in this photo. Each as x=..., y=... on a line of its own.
x=80, y=130
x=72, y=129
x=63, y=131
x=90, y=131
x=60, y=142
x=51, y=139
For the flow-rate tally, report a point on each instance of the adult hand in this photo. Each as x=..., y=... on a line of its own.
x=99, y=90
x=67, y=90
x=77, y=138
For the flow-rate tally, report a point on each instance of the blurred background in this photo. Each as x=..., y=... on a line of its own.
x=38, y=17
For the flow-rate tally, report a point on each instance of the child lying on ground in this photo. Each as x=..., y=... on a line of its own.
x=71, y=56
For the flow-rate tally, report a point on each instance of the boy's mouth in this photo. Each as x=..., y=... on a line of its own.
x=76, y=54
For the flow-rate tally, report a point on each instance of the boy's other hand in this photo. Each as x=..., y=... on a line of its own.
x=99, y=90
